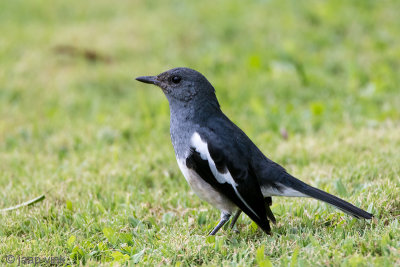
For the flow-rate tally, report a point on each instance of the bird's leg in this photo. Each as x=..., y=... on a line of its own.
x=224, y=218
x=270, y=215
x=235, y=218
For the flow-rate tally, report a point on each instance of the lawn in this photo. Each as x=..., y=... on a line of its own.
x=315, y=84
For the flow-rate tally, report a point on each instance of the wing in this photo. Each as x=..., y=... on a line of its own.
x=226, y=169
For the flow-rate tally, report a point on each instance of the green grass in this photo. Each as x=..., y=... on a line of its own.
x=96, y=142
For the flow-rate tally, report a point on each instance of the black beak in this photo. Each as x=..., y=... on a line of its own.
x=147, y=79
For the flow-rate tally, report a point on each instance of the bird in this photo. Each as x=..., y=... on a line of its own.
x=220, y=162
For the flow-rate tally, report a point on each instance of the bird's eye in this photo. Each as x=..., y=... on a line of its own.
x=176, y=79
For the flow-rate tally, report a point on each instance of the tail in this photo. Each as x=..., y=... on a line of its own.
x=293, y=183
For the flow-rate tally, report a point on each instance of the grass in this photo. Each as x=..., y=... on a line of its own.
x=75, y=126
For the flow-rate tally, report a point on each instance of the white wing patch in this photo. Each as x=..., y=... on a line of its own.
x=202, y=148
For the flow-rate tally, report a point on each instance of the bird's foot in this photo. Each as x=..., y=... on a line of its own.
x=224, y=218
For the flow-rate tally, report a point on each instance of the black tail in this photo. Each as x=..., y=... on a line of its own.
x=316, y=193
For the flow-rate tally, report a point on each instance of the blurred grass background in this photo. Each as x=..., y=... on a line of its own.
x=76, y=126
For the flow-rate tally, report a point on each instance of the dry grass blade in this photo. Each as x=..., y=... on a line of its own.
x=27, y=203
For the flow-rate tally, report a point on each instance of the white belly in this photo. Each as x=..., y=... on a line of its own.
x=205, y=191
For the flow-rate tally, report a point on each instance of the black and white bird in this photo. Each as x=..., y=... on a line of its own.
x=220, y=163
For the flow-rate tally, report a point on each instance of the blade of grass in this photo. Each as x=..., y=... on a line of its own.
x=27, y=203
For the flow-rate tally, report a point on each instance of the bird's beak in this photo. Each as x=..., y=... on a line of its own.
x=148, y=79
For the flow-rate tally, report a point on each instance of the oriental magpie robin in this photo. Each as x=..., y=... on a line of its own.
x=220, y=163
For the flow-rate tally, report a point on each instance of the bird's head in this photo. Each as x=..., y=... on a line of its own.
x=182, y=85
